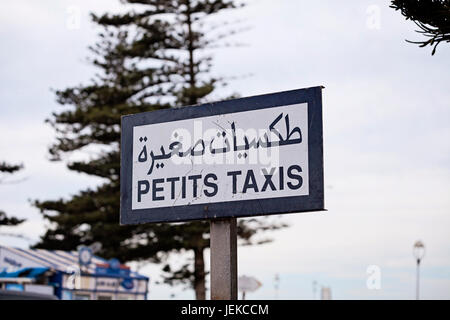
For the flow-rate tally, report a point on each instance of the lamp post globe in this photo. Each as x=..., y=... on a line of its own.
x=419, y=250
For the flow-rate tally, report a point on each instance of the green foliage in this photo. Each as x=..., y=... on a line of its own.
x=9, y=168
x=5, y=221
x=431, y=16
x=149, y=58
x=6, y=168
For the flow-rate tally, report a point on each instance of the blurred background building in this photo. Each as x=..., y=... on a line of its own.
x=62, y=274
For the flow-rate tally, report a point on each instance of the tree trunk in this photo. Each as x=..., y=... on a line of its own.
x=192, y=81
x=199, y=274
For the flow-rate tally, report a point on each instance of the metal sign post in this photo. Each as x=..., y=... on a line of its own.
x=220, y=161
x=223, y=238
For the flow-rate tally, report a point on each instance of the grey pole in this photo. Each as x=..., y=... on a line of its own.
x=419, y=253
x=223, y=238
x=417, y=279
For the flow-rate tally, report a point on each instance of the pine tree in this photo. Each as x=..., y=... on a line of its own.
x=431, y=16
x=150, y=58
x=6, y=168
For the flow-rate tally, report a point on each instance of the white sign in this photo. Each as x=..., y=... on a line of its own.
x=222, y=158
x=248, y=284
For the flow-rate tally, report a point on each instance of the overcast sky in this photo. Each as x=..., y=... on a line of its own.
x=386, y=136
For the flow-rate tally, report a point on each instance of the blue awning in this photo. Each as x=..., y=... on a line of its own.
x=24, y=273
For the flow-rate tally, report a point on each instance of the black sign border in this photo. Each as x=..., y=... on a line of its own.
x=243, y=208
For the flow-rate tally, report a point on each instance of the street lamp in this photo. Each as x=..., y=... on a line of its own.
x=419, y=253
